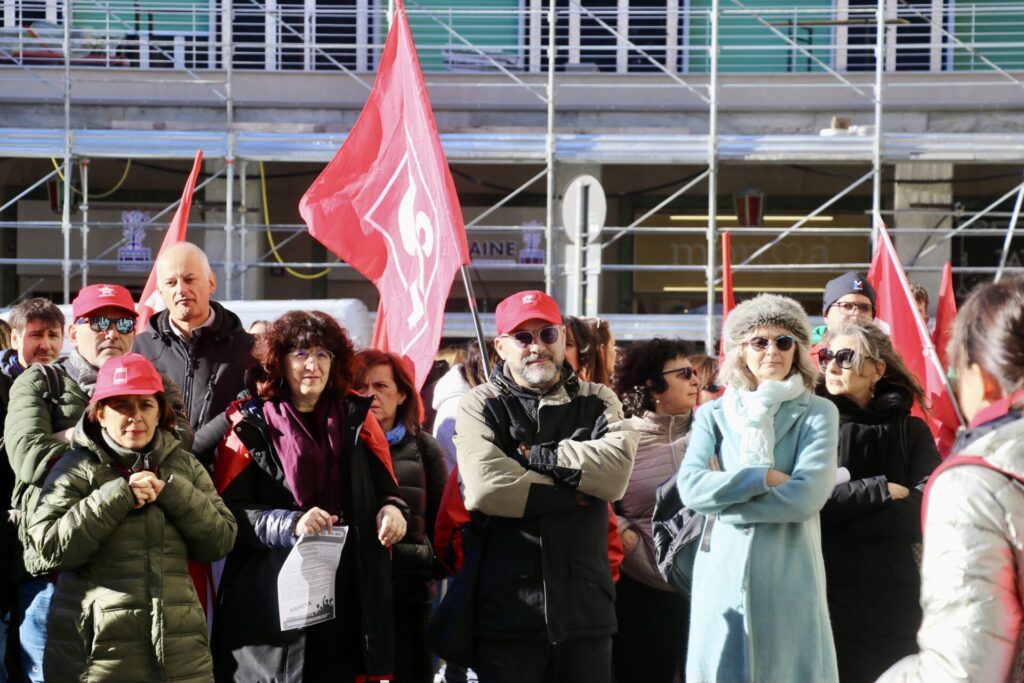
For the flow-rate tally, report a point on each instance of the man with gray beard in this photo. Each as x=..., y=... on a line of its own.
x=540, y=455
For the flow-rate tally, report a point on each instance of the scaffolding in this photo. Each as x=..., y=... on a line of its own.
x=549, y=62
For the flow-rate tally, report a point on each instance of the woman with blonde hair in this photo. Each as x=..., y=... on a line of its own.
x=760, y=464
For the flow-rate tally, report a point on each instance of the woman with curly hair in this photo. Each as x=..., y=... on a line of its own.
x=872, y=520
x=304, y=456
x=658, y=388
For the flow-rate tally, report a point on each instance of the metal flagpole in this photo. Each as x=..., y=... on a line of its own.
x=471, y=298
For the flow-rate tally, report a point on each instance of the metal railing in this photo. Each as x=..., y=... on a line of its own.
x=271, y=35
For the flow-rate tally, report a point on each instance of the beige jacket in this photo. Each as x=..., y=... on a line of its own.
x=972, y=580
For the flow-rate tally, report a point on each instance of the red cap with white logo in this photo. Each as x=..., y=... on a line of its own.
x=129, y=375
x=522, y=306
x=95, y=297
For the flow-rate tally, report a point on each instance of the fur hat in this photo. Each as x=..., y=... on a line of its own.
x=767, y=310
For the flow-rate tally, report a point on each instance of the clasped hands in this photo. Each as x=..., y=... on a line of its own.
x=145, y=486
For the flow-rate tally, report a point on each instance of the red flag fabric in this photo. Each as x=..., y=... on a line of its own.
x=728, y=298
x=945, y=314
x=896, y=309
x=386, y=204
x=150, y=301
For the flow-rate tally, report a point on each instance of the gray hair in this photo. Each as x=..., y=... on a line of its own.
x=766, y=310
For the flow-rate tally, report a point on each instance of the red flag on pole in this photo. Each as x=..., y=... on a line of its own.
x=150, y=301
x=945, y=314
x=728, y=298
x=386, y=204
x=896, y=308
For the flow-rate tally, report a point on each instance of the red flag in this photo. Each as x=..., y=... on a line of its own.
x=728, y=299
x=150, y=301
x=945, y=314
x=386, y=204
x=896, y=308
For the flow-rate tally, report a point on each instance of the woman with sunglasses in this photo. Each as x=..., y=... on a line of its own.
x=973, y=564
x=706, y=368
x=872, y=521
x=658, y=389
x=421, y=472
x=303, y=457
x=761, y=463
x=119, y=516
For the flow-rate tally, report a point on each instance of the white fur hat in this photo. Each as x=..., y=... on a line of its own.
x=767, y=310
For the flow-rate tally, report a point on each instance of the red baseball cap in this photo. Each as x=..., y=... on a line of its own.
x=129, y=375
x=95, y=297
x=522, y=306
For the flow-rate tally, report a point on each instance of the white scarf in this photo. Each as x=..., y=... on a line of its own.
x=752, y=415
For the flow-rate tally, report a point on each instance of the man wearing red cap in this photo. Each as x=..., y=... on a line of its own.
x=540, y=454
x=39, y=426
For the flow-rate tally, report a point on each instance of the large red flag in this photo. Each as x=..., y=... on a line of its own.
x=945, y=314
x=150, y=301
x=386, y=204
x=895, y=306
x=728, y=298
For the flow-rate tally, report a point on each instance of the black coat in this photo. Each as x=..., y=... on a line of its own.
x=868, y=538
x=421, y=472
x=248, y=644
x=209, y=368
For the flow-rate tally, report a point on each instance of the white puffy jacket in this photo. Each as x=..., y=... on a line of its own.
x=972, y=582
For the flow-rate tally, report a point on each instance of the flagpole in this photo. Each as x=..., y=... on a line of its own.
x=471, y=298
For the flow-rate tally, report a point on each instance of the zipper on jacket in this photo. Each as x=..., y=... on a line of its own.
x=207, y=401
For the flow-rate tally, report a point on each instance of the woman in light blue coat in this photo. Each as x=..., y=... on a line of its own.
x=761, y=463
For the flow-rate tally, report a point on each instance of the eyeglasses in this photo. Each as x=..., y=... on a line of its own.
x=852, y=308
x=711, y=388
x=302, y=356
x=546, y=335
x=843, y=357
x=101, y=323
x=685, y=373
x=782, y=343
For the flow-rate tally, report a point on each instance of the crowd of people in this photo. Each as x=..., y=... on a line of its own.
x=502, y=517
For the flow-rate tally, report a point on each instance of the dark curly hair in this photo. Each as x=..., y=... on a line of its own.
x=302, y=330
x=407, y=413
x=639, y=374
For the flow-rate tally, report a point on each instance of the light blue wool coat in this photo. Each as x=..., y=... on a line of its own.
x=758, y=611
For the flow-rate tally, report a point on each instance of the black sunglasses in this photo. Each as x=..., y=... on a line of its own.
x=686, y=373
x=843, y=357
x=711, y=388
x=101, y=323
x=546, y=335
x=782, y=343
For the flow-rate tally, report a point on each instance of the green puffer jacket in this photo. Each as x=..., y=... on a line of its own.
x=32, y=448
x=125, y=609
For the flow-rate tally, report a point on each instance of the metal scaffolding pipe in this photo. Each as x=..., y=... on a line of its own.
x=66, y=213
x=712, y=233
x=549, y=154
x=1009, y=233
x=85, y=222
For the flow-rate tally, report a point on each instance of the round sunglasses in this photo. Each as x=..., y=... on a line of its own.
x=546, y=335
x=782, y=343
x=101, y=323
x=844, y=358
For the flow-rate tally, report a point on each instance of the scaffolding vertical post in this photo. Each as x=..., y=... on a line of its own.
x=876, y=186
x=229, y=161
x=549, y=154
x=85, y=222
x=65, y=222
x=243, y=227
x=709, y=336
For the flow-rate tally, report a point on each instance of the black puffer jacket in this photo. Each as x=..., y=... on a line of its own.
x=209, y=368
x=868, y=538
x=248, y=644
x=421, y=471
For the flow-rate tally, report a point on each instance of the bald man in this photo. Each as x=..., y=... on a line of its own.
x=200, y=344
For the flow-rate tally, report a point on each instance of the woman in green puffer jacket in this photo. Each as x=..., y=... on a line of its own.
x=119, y=516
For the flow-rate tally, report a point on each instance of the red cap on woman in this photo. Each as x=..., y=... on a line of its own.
x=129, y=375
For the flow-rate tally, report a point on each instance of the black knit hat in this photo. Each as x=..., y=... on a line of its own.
x=851, y=282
